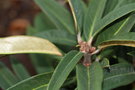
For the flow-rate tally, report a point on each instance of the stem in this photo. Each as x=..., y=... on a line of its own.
x=79, y=39
x=95, y=52
x=87, y=59
x=90, y=41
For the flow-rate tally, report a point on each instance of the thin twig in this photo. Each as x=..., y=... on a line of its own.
x=95, y=52
x=90, y=41
x=79, y=39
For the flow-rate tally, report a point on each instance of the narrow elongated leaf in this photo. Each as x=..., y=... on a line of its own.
x=125, y=2
x=132, y=53
x=41, y=63
x=7, y=78
x=123, y=26
x=122, y=59
x=19, y=69
x=89, y=78
x=119, y=75
x=112, y=16
x=63, y=69
x=69, y=81
x=32, y=83
x=26, y=44
x=42, y=22
x=111, y=5
x=58, y=37
x=93, y=16
x=78, y=9
x=58, y=14
x=124, y=39
x=115, y=4
x=106, y=53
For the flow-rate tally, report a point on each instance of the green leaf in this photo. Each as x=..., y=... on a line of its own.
x=119, y=75
x=31, y=30
x=70, y=81
x=32, y=83
x=19, y=69
x=113, y=5
x=57, y=14
x=63, y=69
x=42, y=63
x=105, y=63
x=78, y=9
x=58, y=37
x=125, y=2
x=112, y=16
x=93, y=16
x=124, y=39
x=42, y=88
x=110, y=6
x=42, y=22
x=122, y=59
x=89, y=78
x=122, y=26
x=132, y=53
x=106, y=53
x=7, y=78
x=26, y=44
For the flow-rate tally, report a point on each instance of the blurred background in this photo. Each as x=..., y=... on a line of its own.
x=15, y=17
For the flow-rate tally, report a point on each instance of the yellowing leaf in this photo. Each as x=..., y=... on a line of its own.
x=78, y=9
x=26, y=44
x=116, y=43
x=124, y=39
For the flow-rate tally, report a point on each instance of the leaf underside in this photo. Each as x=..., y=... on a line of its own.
x=26, y=44
x=78, y=9
x=124, y=39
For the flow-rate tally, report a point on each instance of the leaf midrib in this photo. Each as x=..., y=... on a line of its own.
x=88, y=74
x=74, y=16
x=119, y=29
x=67, y=66
x=65, y=25
x=103, y=26
x=40, y=86
x=94, y=21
